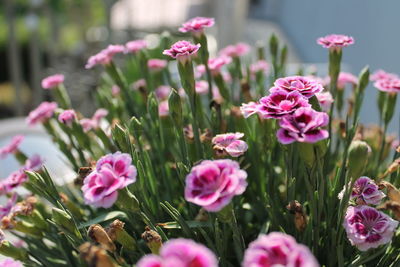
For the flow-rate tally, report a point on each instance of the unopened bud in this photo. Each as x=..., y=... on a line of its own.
x=95, y=256
x=97, y=233
x=359, y=152
x=152, y=239
x=175, y=107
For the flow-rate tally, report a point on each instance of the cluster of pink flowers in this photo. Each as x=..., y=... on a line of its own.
x=52, y=81
x=67, y=117
x=365, y=192
x=196, y=25
x=238, y=50
x=12, y=147
x=95, y=121
x=42, y=113
x=135, y=46
x=182, y=50
x=105, y=56
x=156, y=64
x=180, y=252
x=230, y=144
x=335, y=41
x=213, y=183
x=113, y=172
x=278, y=249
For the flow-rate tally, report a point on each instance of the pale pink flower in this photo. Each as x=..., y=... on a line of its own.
x=217, y=97
x=213, y=183
x=135, y=46
x=67, y=117
x=95, y=121
x=163, y=108
x=99, y=115
x=367, y=227
x=113, y=172
x=335, y=41
x=249, y=109
x=215, y=64
x=105, y=56
x=322, y=81
x=346, y=78
x=180, y=253
x=42, y=113
x=182, y=50
x=230, y=143
x=200, y=71
x=382, y=75
x=52, y=81
x=196, y=25
x=87, y=124
x=307, y=87
x=201, y=87
x=156, y=64
x=115, y=90
x=364, y=192
x=33, y=163
x=259, y=66
x=325, y=99
x=9, y=262
x=278, y=249
x=237, y=50
x=139, y=84
x=162, y=92
x=226, y=76
x=389, y=85
x=12, y=181
x=12, y=147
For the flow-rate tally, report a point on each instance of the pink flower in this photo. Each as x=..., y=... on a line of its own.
x=365, y=192
x=197, y=25
x=215, y=64
x=322, y=81
x=278, y=249
x=95, y=121
x=67, y=117
x=249, y=109
x=200, y=71
x=237, y=50
x=367, y=227
x=105, y=56
x=34, y=163
x=100, y=114
x=115, y=90
x=162, y=92
x=346, y=78
x=259, y=66
x=113, y=172
x=52, y=81
x=42, y=113
x=180, y=253
x=156, y=64
x=135, y=46
x=163, y=108
x=230, y=143
x=335, y=41
x=6, y=209
x=307, y=87
x=139, y=84
x=9, y=262
x=87, y=124
x=217, y=97
x=201, y=87
x=15, y=179
x=382, y=75
x=303, y=126
x=390, y=85
x=12, y=147
x=182, y=50
x=213, y=183
x=281, y=103
x=325, y=99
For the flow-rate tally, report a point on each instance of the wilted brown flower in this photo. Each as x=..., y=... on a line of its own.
x=95, y=256
x=300, y=218
x=97, y=233
x=152, y=239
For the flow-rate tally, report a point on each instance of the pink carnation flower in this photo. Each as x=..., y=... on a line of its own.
x=9, y=262
x=197, y=25
x=389, y=85
x=215, y=64
x=182, y=50
x=307, y=87
x=6, y=209
x=249, y=109
x=237, y=50
x=213, y=184
x=259, y=66
x=229, y=143
x=303, y=126
x=346, y=78
x=335, y=41
x=115, y=90
x=382, y=75
x=367, y=227
x=163, y=108
x=325, y=99
x=105, y=56
x=95, y=121
x=67, y=117
x=217, y=97
x=322, y=81
x=12, y=147
x=113, y=172
x=364, y=192
x=278, y=249
x=281, y=103
x=162, y=92
x=135, y=46
x=180, y=253
x=52, y=81
x=42, y=113
x=156, y=64
x=200, y=71
x=201, y=87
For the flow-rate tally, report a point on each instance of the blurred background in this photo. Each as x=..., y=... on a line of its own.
x=43, y=37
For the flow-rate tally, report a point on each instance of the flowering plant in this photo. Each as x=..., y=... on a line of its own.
x=232, y=164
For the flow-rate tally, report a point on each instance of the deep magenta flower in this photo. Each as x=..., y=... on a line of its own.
x=382, y=75
x=135, y=46
x=230, y=144
x=278, y=249
x=365, y=192
x=52, y=81
x=182, y=50
x=335, y=41
x=113, y=172
x=201, y=87
x=213, y=183
x=259, y=66
x=280, y=103
x=238, y=50
x=105, y=56
x=196, y=25
x=389, y=85
x=42, y=113
x=303, y=126
x=156, y=64
x=9, y=262
x=215, y=64
x=366, y=227
x=181, y=253
x=67, y=117
x=306, y=86
x=325, y=99
x=12, y=147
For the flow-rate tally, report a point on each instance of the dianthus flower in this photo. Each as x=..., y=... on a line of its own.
x=365, y=192
x=201, y=87
x=390, y=85
x=12, y=147
x=230, y=144
x=238, y=50
x=182, y=50
x=346, y=78
x=135, y=46
x=105, y=56
x=305, y=86
x=9, y=262
x=259, y=66
x=325, y=99
x=162, y=92
x=382, y=75
x=196, y=25
x=156, y=64
x=67, y=117
x=335, y=41
x=52, y=81
x=42, y=113
x=215, y=64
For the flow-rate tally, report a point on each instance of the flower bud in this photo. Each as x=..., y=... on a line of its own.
x=273, y=45
x=97, y=233
x=117, y=233
x=95, y=256
x=152, y=239
x=357, y=158
x=175, y=107
x=389, y=107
